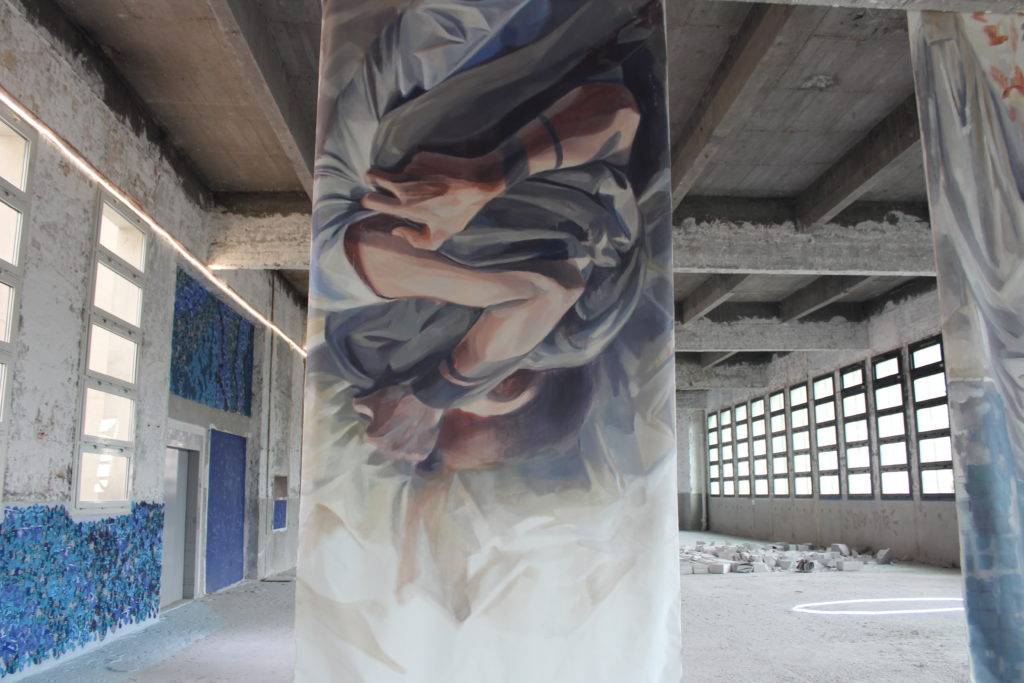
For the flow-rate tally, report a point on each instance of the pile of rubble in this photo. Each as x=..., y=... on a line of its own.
x=747, y=558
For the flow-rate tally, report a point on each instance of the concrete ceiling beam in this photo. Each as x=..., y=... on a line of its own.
x=730, y=97
x=247, y=32
x=1003, y=6
x=705, y=336
x=900, y=246
x=818, y=294
x=270, y=238
x=713, y=358
x=856, y=171
x=712, y=293
x=694, y=377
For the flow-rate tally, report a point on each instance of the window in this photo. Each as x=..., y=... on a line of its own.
x=714, y=463
x=800, y=420
x=113, y=339
x=759, y=447
x=16, y=146
x=826, y=438
x=725, y=436
x=779, y=444
x=890, y=420
x=856, y=436
x=931, y=418
x=741, y=448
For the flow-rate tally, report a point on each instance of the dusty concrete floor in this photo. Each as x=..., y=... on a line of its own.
x=735, y=628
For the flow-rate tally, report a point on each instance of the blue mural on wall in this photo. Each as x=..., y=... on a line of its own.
x=212, y=349
x=64, y=584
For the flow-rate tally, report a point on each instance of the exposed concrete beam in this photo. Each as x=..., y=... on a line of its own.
x=709, y=295
x=693, y=377
x=856, y=171
x=267, y=239
x=901, y=248
x=728, y=101
x=767, y=334
x=817, y=295
x=713, y=358
x=1003, y=6
x=245, y=28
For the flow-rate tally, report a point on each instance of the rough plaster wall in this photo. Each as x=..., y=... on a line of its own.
x=49, y=79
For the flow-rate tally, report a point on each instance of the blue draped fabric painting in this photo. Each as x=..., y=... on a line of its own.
x=489, y=459
x=969, y=75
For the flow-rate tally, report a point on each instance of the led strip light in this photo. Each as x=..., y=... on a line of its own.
x=93, y=173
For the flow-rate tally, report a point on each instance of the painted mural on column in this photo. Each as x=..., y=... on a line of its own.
x=969, y=74
x=489, y=476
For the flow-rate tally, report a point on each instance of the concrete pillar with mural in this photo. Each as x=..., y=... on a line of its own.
x=489, y=475
x=969, y=76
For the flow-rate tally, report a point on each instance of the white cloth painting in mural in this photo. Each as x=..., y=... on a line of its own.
x=488, y=467
x=969, y=75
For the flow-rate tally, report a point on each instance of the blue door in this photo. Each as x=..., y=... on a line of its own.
x=225, y=511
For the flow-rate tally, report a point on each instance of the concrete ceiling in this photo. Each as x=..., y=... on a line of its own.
x=796, y=159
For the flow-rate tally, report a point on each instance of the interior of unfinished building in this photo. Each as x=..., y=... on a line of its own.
x=156, y=197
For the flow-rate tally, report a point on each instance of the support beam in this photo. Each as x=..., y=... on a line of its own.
x=902, y=247
x=767, y=334
x=855, y=173
x=271, y=238
x=248, y=34
x=817, y=295
x=693, y=377
x=713, y=358
x=998, y=6
x=729, y=98
x=708, y=296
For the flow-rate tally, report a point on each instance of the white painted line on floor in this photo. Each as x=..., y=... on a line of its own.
x=808, y=608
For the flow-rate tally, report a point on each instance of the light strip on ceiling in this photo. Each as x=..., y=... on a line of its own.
x=93, y=173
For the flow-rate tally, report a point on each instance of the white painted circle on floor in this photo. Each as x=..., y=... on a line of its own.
x=812, y=607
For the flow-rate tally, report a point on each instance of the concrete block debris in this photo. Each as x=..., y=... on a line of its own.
x=746, y=557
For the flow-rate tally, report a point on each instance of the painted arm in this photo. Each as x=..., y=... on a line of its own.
x=440, y=194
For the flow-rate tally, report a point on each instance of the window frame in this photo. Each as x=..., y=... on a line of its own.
x=897, y=380
x=914, y=373
x=863, y=388
x=785, y=454
x=833, y=398
x=93, y=379
x=793, y=430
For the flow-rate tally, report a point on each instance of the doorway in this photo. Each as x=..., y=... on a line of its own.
x=178, y=576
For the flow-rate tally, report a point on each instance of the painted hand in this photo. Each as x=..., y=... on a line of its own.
x=401, y=426
x=438, y=194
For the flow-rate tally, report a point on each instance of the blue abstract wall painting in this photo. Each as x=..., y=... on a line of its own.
x=489, y=461
x=212, y=349
x=64, y=584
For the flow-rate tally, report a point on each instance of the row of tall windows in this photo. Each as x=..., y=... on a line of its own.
x=861, y=432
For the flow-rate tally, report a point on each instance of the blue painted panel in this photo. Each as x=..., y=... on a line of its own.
x=280, y=514
x=225, y=516
x=64, y=584
x=211, y=349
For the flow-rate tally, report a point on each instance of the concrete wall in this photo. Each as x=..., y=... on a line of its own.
x=921, y=530
x=57, y=79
